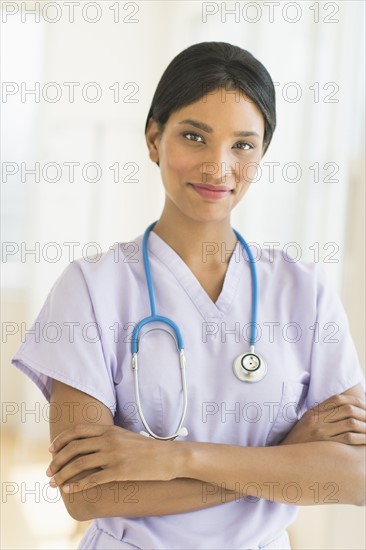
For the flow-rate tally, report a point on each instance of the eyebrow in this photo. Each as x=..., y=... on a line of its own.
x=208, y=129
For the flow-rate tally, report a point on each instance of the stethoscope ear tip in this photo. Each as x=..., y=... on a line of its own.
x=183, y=432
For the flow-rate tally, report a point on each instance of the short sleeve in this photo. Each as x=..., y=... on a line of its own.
x=64, y=343
x=335, y=365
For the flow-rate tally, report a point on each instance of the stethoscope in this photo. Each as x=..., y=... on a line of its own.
x=248, y=367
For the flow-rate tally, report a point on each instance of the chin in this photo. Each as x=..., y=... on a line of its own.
x=208, y=217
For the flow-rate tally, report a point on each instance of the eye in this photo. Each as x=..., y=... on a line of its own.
x=191, y=134
x=248, y=145
x=245, y=143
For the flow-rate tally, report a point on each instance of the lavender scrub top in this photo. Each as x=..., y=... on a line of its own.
x=82, y=337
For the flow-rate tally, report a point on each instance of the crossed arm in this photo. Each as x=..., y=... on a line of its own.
x=104, y=470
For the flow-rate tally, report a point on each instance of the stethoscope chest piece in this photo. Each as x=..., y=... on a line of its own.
x=249, y=367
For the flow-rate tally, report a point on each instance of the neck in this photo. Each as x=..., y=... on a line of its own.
x=197, y=242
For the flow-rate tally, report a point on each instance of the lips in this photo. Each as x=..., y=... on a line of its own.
x=211, y=192
x=211, y=187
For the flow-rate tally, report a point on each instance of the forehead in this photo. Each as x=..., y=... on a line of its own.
x=223, y=108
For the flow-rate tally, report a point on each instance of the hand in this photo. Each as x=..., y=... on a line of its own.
x=111, y=452
x=339, y=418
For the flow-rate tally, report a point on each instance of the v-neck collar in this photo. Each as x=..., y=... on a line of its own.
x=234, y=274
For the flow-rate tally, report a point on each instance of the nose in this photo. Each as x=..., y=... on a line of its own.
x=219, y=166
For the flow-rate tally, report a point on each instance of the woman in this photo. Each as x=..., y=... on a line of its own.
x=253, y=451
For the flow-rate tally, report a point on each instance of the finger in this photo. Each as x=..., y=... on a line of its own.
x=79, y=431
x=341, y=412
x=78, y=466
x=71, y=451
x=350, y=438
x=342, y=399
x=89, y=483
x=329, y=431
x=349, y=425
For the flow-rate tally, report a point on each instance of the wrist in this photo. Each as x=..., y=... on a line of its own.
x=184, y=455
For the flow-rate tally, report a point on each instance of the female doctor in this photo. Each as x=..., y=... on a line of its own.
x=255, y=423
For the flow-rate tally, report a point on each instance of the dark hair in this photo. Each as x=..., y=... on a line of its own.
x=205, y=67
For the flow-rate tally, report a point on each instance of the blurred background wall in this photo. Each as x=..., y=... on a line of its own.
x=78, y=79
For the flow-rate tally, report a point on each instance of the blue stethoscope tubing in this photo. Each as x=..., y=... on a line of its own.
x=153, y=317
x=248, y=367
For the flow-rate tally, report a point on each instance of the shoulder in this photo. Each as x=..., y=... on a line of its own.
x=301, y=284
x=120, y=256
x=103, y=273
x=290, y=268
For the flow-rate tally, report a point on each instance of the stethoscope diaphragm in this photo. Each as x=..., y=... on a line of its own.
x=249, y=367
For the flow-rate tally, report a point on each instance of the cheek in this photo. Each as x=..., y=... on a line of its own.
x=250, y=169
x=178, y=160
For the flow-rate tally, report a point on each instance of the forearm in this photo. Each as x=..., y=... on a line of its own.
x=144, y=498
x=302, y=474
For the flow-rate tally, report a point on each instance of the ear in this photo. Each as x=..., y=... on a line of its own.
x=152, y=137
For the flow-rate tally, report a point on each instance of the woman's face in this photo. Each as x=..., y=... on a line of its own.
x=199, y=147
